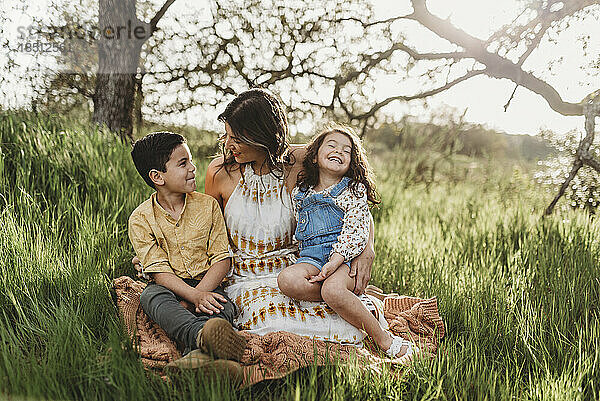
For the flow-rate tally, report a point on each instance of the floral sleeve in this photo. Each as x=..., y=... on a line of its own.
x=355, y=231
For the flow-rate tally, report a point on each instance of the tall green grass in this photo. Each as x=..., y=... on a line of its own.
x=519, y=294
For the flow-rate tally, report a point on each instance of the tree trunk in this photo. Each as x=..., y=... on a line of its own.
x=137, y=105
x=121, y=38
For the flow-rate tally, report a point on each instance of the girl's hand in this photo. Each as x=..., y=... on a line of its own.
x=335, y=261
x=208, y=302
x=327, y=270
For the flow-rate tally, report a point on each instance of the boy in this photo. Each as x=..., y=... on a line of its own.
x=180, y=238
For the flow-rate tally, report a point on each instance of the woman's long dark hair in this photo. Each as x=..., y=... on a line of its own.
x=359, y=170
x=257, y=118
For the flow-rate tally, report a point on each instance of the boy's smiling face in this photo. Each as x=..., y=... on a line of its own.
x=180, y=176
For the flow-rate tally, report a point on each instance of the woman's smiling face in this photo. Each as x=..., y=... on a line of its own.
x=242, y=152
x=335, y=153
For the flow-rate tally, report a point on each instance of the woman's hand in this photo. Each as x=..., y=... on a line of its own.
x=138, y=266
x=360, y=267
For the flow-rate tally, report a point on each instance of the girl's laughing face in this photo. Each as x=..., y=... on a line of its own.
x=335, y=153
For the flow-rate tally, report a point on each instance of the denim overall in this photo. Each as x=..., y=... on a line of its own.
x=320, y=223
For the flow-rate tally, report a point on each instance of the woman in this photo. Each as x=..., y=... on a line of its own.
x=252, y=181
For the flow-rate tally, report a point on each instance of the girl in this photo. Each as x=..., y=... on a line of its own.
x=332, y=211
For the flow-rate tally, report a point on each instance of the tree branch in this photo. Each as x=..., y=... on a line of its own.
x=544, y=16
x=421, y=95
x=534, y=44
x=593, y=164
x=372, y=23
x=159, y=15
x=497, y=66
x=576, y=166
x=582, y=156
x=511, y=98
x=430, y=56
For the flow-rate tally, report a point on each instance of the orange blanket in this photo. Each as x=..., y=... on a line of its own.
x=277, y=354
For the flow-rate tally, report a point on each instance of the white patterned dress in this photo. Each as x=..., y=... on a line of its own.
x=260, y=221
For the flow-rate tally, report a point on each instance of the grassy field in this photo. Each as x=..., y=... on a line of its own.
x=519, y=294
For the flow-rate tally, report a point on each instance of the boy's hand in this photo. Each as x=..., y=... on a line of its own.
x=138, y=266
x=208, y=302
x=329, y=268
x=187, y=305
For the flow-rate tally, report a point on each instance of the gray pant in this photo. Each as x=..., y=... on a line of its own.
x=163, y=306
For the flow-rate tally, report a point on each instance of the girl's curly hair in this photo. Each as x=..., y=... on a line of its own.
x=359, y=170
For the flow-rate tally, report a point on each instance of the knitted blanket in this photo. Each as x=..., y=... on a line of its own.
x=275, y=355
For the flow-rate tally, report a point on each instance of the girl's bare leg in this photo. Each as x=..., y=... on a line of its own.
x=293, y=282
x=337, y=293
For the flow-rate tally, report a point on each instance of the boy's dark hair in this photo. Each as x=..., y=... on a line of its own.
x=153, y=151
x=359, y=170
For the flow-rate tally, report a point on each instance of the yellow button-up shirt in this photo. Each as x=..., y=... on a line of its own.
x=186, y=247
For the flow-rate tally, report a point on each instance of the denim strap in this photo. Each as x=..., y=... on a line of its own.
x=339, y=187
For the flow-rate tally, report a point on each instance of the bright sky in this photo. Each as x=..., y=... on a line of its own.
x=484, y=97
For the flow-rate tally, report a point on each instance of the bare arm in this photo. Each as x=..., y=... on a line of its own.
x=214, y=276
x=211, y=183
x=296, y=154
x=175, y=284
